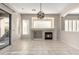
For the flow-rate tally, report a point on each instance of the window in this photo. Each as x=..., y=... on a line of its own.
x=66, y=25
x=77, y=25
x=25, y=27
x=42, y=24
x=47, y=22
x=72, y=25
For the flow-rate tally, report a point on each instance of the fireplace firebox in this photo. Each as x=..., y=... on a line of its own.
x=48, y=35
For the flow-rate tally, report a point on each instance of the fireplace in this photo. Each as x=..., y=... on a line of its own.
x=48, y=35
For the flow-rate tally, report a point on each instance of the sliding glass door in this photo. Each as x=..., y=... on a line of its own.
x=5, y=29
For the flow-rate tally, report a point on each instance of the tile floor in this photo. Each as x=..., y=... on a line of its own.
x=39, y=47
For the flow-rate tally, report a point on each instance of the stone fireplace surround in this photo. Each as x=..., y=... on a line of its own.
x=39, y=34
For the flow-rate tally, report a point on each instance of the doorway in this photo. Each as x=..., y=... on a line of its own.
x=5, y=29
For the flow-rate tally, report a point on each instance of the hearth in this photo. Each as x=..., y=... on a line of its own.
x=48, y=35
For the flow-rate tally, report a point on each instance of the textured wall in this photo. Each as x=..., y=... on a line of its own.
x=16, y=32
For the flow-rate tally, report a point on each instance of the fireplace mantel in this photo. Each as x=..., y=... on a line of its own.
x=42, y=28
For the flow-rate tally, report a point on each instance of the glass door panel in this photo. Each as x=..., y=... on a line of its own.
x=4, y=29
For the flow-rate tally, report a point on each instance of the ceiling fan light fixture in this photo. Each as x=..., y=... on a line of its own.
x=40, y=14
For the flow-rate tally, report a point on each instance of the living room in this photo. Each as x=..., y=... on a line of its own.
x=40, y=28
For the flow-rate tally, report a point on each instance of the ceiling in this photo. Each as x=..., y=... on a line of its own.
x=2, y=11
x=75, y=11
x=3, y=14
x=47, y=8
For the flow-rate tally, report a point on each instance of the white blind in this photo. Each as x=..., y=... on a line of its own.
x=77, y=25
x=25, y=26
x=74, y=25
x=66, y=25
x=70, y=25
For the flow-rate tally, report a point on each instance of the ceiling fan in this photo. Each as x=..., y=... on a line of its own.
x=40, y=14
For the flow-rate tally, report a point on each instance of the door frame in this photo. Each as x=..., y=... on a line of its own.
x=10, y=25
